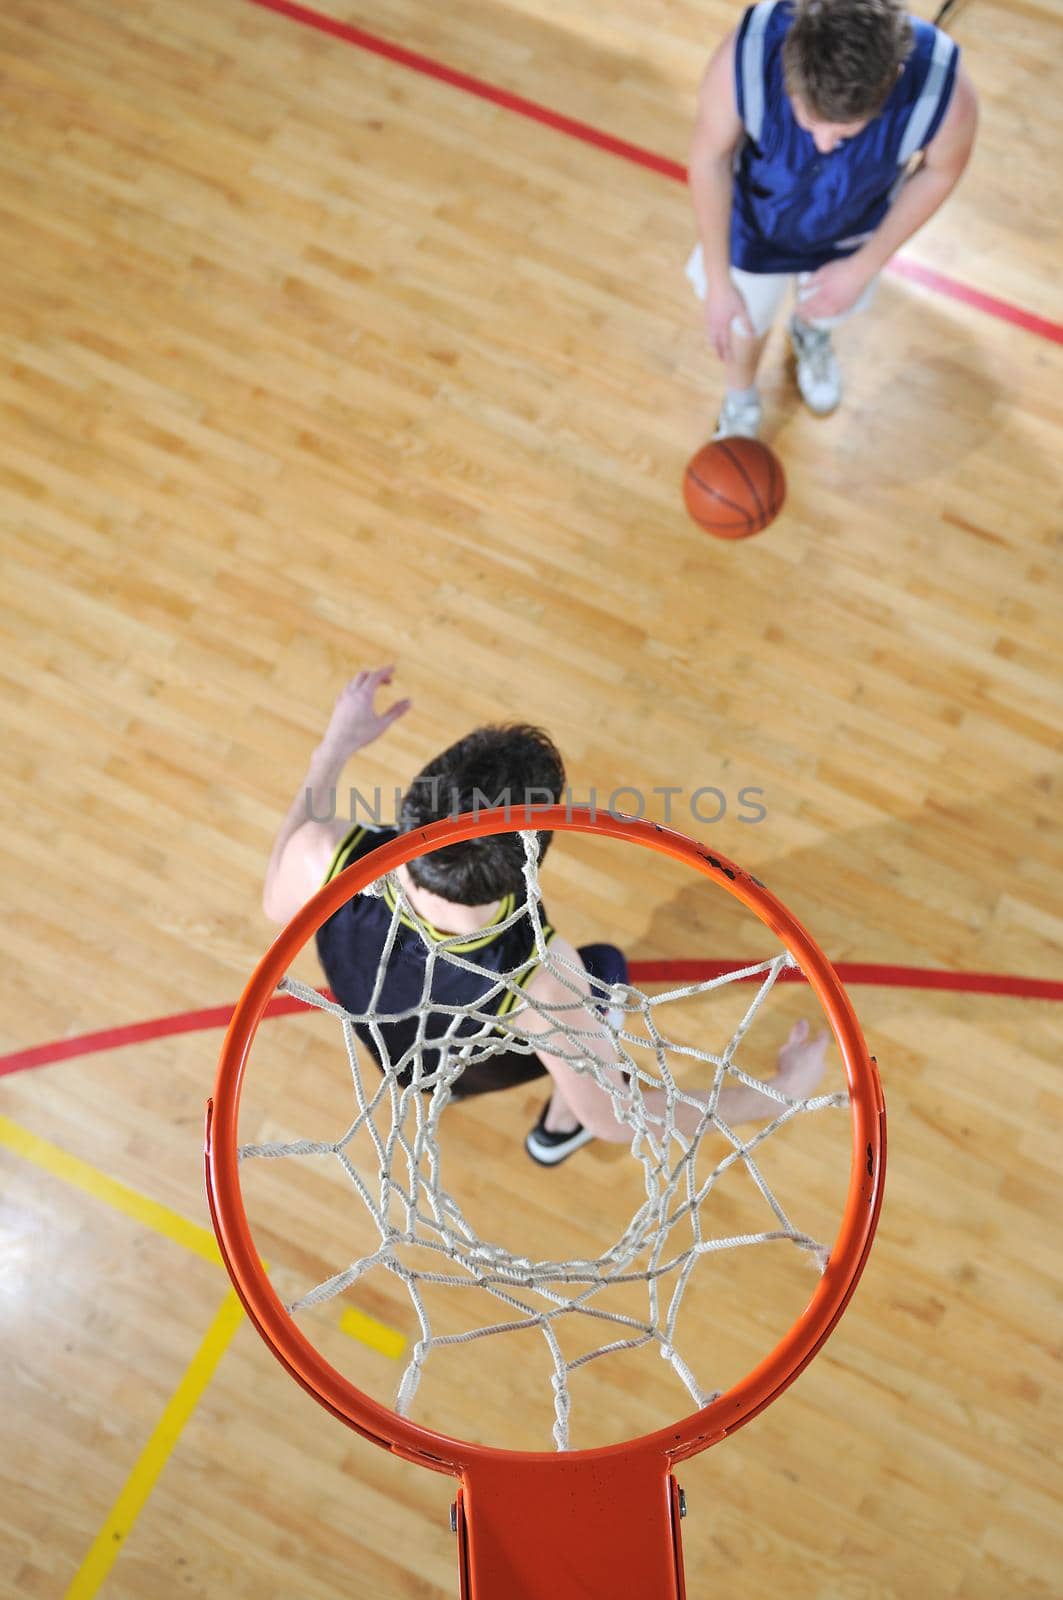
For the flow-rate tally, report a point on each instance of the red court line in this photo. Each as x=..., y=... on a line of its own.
x=854, y=972
x=474, y=86
x=86, y=1044
x=874, y=974
x=930, y=278
x=926, y=277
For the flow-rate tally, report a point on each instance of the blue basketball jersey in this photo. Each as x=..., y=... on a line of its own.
x=350, y=946
x=794, y=208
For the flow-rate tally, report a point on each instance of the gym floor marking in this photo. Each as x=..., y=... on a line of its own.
x=359, y=1325
x=879, y=975
x=377, y=1335
x=156, y=1452
x=82, y=1175
x=201, y=1242
x=900, y=266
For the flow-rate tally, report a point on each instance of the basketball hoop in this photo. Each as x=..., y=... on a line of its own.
x=591, y=1522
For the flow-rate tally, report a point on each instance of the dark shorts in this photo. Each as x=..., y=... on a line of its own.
x=505, y=1071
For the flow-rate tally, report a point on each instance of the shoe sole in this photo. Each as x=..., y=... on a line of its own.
x=550, y=1155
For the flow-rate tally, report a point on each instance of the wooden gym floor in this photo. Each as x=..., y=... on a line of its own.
x=313, y=361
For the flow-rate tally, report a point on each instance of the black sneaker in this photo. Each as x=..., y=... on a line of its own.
x=550, y=1148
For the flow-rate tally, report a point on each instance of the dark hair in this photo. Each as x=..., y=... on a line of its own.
x=493, y=766
x=841, y=57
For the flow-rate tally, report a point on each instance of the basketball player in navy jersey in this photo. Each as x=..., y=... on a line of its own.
x=472, y=889
x=827, y=132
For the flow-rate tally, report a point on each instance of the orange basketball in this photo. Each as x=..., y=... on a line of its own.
x=734, y=487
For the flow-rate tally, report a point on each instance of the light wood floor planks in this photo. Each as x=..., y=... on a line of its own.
x=312, y=362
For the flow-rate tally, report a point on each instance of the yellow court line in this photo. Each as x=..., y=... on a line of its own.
x=361, y=1326
x=377, y=1335
x=138, y=1486
x=153, y=1457
x=89, y=1178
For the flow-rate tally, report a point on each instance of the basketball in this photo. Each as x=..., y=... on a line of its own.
x=734, y=487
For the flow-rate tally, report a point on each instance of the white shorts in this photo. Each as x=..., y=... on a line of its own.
x=763, y=293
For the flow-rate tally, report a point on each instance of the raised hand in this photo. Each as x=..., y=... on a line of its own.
x=355, y=721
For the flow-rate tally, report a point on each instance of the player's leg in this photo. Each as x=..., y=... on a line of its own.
x=763, y=294
x=558, y=1132
x=818, y=374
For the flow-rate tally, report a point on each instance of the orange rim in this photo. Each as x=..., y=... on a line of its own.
x=744, y=1399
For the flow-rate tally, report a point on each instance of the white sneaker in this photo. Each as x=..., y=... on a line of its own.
x=818, y=377
x=739, y=419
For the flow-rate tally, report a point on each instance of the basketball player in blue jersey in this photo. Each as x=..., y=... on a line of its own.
x=471, y=890
x=827, y=132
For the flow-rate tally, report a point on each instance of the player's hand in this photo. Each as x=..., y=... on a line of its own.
x=834, y=289
x=355, y=722
x=802, y=1062
x=724, y=307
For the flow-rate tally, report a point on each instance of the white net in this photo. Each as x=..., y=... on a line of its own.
x=425, y=1235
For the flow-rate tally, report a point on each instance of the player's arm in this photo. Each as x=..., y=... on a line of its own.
x=927, y=190
x=307, y=838
x=718, y=132
x=561, y=1012
x=837, y=286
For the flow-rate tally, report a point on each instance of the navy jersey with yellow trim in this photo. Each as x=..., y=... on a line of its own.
x=351, y=943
